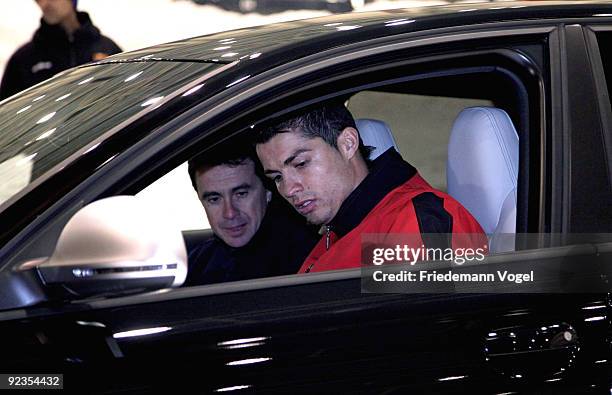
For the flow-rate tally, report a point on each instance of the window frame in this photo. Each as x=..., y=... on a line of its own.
x=604, y=102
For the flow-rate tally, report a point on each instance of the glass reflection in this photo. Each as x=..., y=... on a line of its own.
x=46, y=118
x=141, y=332
x=63, y=97
x=46, y=134
x=133, y=77
x=242, y=341
x=238, y=81
x=234, y=388
x=193, y=90
x=152, y=101
x=451, y=378
x=400, y=22
x=248, y=361
x=26, y=108
x=347, y=27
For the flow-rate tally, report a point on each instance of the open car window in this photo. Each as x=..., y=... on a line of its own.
x=420, y=111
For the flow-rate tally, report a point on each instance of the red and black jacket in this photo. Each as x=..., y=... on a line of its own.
x=392, y=199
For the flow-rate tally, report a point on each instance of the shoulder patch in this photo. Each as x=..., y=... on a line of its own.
x=433, y=219
x=40, y=66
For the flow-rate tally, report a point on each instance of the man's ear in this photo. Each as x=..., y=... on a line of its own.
x=348, y=142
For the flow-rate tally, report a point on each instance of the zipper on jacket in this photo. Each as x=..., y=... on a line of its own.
x=327, y=236
x=327, y=230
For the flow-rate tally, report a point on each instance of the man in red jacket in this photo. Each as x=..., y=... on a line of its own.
x=318, y=162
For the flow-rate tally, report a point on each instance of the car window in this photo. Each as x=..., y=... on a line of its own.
x=173, y=193
x=420, y=112
x=604, y=40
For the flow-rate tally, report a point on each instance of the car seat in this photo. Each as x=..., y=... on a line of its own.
x=376, y=134
x=482, y=171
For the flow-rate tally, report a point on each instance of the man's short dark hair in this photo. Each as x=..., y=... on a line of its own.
x=229, y=154
x=326, y=121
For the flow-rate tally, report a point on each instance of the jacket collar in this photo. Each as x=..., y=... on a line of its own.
x=55, y=34
x=386, y=173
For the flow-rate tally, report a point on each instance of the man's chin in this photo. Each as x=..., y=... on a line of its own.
x=316, y=219
x=236, y=243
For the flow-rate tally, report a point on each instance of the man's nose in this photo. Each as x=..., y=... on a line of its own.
x=229, y=210
x=291, y=187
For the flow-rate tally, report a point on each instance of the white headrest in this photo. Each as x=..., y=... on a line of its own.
x=376, y=134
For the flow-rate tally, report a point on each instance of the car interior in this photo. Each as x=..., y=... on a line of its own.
x=463, y=131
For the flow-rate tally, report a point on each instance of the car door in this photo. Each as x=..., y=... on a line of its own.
x=320, y=332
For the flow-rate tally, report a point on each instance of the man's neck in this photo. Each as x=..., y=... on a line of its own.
x=360, y=171
x=70, y=24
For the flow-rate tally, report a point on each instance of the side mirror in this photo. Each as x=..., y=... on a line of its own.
x=114, y=245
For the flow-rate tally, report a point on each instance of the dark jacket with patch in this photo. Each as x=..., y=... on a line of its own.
x=51, y=51
x=278, y=248
x=393, y=199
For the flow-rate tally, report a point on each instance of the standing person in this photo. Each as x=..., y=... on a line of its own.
x=320, y=165
x=255, y=234
x=66, y=38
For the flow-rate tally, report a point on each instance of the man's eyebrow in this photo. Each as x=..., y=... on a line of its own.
x=245, y=185
x=295, y=154
x=206, y=195
x=288, y=160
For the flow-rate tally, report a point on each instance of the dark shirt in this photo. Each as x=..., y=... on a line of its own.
x=279, y=247
x=51, y=51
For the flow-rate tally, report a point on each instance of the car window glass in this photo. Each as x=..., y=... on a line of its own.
x=605, y=49
x=43, y=126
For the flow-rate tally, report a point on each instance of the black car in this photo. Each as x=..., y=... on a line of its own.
x=270, y=6
x=101, y=131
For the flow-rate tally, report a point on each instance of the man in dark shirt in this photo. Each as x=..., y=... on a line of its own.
x=255, y=234
x=66, y=38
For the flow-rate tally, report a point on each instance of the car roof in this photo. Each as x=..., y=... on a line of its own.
x=270, y=43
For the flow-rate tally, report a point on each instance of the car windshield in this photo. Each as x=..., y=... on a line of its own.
x=43, y=126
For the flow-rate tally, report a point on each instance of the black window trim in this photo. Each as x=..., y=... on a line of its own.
x=582, y=139
x=605, y=104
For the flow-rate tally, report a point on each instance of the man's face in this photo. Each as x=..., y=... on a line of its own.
x=312, y=175
x=55, y=11
x=234, y=199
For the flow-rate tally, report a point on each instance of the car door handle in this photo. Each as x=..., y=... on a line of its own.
x=545, y=350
